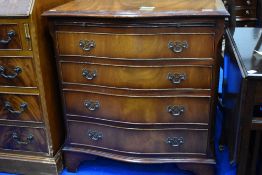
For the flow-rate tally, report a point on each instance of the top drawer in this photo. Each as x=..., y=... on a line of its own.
x=137, y=46
x=10, y=37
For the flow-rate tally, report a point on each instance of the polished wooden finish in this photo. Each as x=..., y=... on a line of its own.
x=15, y=41
x=153, y=108
x=17, y=138
x=138, y=79
x=243, y=122
x=135, y=45
x=31, y=113
x=137, y=8
x=140, y=141
x=30, y=121
x=26, y=77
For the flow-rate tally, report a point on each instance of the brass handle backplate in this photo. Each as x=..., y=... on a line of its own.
x=87, y=45
x=10, y=35
x=92, y=105
x=95, y=135
x=176, y=78
x=176, y=110
x=17, y=70
x=175, y=141
x=19, y=141
x=88, y=74
x=10, y=109
x=178, y=46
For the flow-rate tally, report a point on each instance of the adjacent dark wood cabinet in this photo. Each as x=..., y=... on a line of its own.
x=139, y=79
x=242, y=99
x=244, y=13
x=31, y=125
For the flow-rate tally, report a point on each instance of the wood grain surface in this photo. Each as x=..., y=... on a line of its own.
x=140, y=8
x=25, y=78
x=138, y=109
x=15, y=40
x=130, y=45
x=137, y=141
x=31, y=113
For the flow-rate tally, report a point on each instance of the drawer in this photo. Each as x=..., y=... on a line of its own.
x=140, y=141
x=23, y=139
x=136, y=109
x=246, y=13
x=138, y=77
x=247, y=23
x=17, y=71
x=10, y=37
x=138, y=46
x=244, y=2
x=20, y=108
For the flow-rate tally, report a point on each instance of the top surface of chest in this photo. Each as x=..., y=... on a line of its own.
x=15, y=7
x=139, y=8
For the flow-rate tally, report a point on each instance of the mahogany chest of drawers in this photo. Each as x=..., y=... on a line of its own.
x=138, y=79
x=30, y=118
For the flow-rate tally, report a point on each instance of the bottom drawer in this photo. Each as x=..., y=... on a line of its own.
x=134, y=140
x=23, y=139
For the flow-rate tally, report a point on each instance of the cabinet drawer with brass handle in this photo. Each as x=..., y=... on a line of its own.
x=23, y=139
x=20, y=108
x=136, y=46
x=138, y=77
x=148, y=109
x=10, y=37
x=135, y=140
x=17, y=71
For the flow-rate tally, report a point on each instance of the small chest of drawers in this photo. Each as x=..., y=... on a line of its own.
x=30, y=122
x=138, y=85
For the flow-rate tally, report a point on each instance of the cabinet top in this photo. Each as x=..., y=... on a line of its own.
x=248, y=45
x=139, y=8
x=15, y=8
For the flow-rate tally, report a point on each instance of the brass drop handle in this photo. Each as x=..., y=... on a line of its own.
x=176, y=78
x=178, y=46
x=10, y=109
x=175, y=141
x=10, y=35
x=87, y=45
x=95, y=135
x=247, y=12
x=19, y=141
x=88, y=74
x=17, y=70
x=92, y=105
x=248, y=2
x=176, y=110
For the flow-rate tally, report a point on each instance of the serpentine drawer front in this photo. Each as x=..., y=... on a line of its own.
x=10, y=37
x=129, y=45
x=138, y=79
x=139, y=141
x=154, y=109
x=137, y=76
